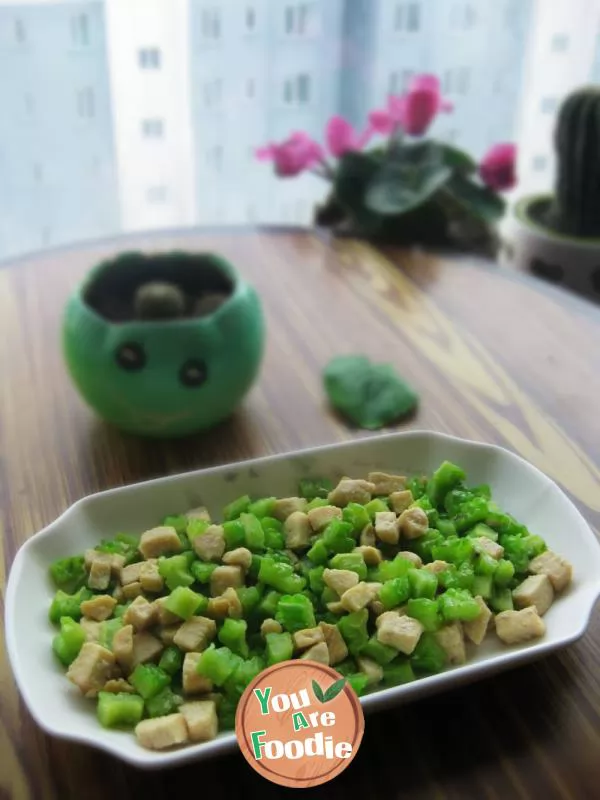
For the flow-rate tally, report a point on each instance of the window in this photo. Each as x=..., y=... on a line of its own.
x=297, y=90
x=457, y=80
x=20, y=35
x=156, y=194
x=80, y=30
x=463, y=16
x=153, y=128
x=539, y=163
x=407, y=17
x=300, y=19
x=250, y=18
x=549, y=105
x=149, y=58
x=303, y=88
x=211, y=23
x=212, y=93
x=399, y=81
x=86, y=103
x=560, y=42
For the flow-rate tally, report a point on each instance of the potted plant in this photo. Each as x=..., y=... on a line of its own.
x=390, y=183
x=558, y=236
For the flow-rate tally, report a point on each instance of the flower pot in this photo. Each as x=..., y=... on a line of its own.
x=163, y=377
x=566, y=260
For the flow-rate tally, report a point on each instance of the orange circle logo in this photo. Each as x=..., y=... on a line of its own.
x=299, y=723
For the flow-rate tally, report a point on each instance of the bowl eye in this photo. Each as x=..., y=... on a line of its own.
x=193, y=373
x=131, y=356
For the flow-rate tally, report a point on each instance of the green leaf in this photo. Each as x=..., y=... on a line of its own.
x=369, y=395
x=477, y=200
x=318, y=692
x=456, y=159
x=334, y=689
x=407, y=179
x=352, y=178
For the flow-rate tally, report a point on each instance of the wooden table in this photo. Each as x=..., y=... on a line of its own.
x=496, y=357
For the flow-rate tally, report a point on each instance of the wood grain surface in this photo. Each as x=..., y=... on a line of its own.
x=496, y=357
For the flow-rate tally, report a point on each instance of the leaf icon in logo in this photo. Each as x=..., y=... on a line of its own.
x=334, y=689
x=318, y=692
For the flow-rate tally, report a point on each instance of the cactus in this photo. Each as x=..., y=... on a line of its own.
x=159, y=300
x=575, y=209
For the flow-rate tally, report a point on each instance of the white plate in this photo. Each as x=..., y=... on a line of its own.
x=519, y=488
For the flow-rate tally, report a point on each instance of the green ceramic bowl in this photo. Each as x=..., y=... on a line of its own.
x=167, y=377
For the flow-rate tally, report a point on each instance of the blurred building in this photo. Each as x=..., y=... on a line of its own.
x=57, y=171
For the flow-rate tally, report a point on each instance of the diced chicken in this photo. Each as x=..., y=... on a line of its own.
x=240, y=557
x=387, y=484
x=117, y=685
x=308, y=637
x=167, y=634
x=334, y=640
x=400, y=501
x=198, y=513
x=92, y=668
x=336, y=607
x=318, y=652
x=236, y=609
x=436, y=567
x=386, y=527
x=132, y=590
x=150, y=577
x=131, y=573
x=287, y=505
x=270, y=626
x=163, y=615
x=201, y=720
x=159, y=541
x=210, y=545
x=224, y=577
x=217, y=608
x=141, y=614
x=320, y=517
x=351, y=490
x=99, y=607
x=536, y=590
x=340, y=580
x=400, y=632
x=122, y=646
x=88, y=557
x=386, y=616
x=516, y=627
x=371, y=669
x=414, y=558
x=377, y=608
x=476, y=629
x=195, y=634
x=413, y=523
x=367, y=536
x=91, y=628
x=145, y=648
x=451, y=638
x=117, y=562
x=162, y=732
x=555, y=567
x=359, y=596
x=118, y=594
x=297, y=530
x=100, y=571
x=193, y=683
x=371, y=555
x=482, y=544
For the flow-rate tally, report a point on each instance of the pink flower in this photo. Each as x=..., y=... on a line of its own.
x=341, y=137
x=292, y=156
x=498, y=167
x=414, y=111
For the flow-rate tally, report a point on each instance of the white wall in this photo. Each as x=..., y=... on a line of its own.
x=156, y=175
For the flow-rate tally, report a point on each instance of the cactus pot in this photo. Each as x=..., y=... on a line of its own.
x=163, y=377
x=569, y=261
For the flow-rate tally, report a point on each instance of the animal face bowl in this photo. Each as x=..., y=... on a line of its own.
x=163, y=345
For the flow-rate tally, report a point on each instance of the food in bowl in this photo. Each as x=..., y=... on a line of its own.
x=385, y=578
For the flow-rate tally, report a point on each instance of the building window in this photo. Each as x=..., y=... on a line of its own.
x=80, y=30
x=399, y=81
x=539, y=163
x=300, y=19
x=211, y=23
x=153, y=128
x=20, y=34
x=86, y=105
x=149, y=58
x=214, y=157
x=407, y=17
x=463, y=16
x=560, y=42
x=549, y=105
x=457, y=80
x=250, y=18
x=212, y=93
x=156, y=195
x=297, y=90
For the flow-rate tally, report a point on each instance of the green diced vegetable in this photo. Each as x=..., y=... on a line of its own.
x=458, y=604
x=318, y=553
x=483, y=490
x=426, y=611
x=184, y=603
x=357, y=516
x=217, y=664
x=504, y=573
x=196, y=527
x=471, y=512
x=177, y=521
x=483, y=530
x=226, y=713
x=245, y=672
x=521, y=549
x=69, y=641
x=417, y=486
x=347, y=667
x=501, y=600
x=315, y=487
x=453, y=549
x=353, y=628
x=446, y=477
x=295, y=612
x=249, y=597
x=394, y=569
x=424, y=545
x=202, y=570
x=350, y=561
x=315, y=579
x=337, y=537
x=68, y=605
x=358, y=682
x=123, y=544
x=171, y=660
x=460, y=577
x=120, y=609
x=381, y=653
x=235, y=535
x=422, y=582
x=271, y=524
x=237, y=507
x=253, y=532
x=428, y=655
x=395, y=592
x=267, y=606
x=482, y=585
x=263, y=507
x=318, y=502
x=280, y=576
x=397, y=673
x=120, y=710
x=108, y=628
x=149, y=680
x=176, y=570
x=484, y=564
x=68, y=574
x=432, y=513
x=374, y=506
x=274, y=540
x=233, y=636
x=329, y=596
x=445, y=526
x=164, y=703
x=279, y=647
